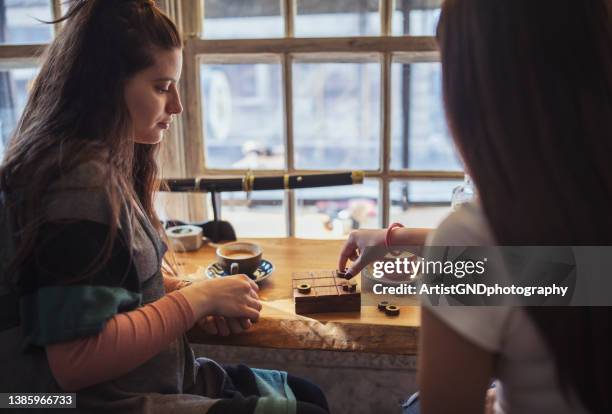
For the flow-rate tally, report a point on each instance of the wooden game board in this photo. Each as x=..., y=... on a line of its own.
x=326, y=293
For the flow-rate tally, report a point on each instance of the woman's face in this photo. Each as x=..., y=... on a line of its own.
x=152, y=96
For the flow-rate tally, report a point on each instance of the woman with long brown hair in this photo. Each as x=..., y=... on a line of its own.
x=528, y=95
x=85, y=307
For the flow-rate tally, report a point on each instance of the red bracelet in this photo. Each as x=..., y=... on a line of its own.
x=388, y=235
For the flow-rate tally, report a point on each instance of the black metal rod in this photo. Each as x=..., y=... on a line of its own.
x=252, y=183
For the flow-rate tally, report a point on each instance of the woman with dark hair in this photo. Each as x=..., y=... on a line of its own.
x=528, y=96
x=85, y=306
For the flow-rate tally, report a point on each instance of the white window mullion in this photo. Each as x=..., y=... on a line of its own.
x=385, y=206
x=385, y=135
x=193, y=19
x=56, y=13
x=289, y=151
x=288, y=11
x=386, y=12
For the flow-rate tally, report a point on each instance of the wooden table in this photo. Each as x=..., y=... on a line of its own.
x=279, y=326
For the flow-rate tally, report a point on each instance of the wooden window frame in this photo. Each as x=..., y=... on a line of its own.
x=182, y=154
x=387, y=48
x=19, y=55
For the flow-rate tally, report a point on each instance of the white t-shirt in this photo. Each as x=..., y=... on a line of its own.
x=525, y=369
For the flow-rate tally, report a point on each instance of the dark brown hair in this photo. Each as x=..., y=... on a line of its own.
x=76, y=112
x=528, y=96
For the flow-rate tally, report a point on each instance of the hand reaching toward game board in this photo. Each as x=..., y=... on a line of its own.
x=355, y=247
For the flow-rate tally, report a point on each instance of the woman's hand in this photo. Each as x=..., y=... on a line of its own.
x=219, y=325
x=355, y=246
x=230, y=296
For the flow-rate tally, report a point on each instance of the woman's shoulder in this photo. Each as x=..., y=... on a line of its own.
x=90, y=174
x=481, y=325
x=466, y=226
x=82, y=192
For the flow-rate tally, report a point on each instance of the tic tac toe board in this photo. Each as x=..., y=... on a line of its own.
x=326, y=293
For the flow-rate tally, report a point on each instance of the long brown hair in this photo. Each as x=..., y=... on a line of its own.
x=528, y=96
x=76, y=112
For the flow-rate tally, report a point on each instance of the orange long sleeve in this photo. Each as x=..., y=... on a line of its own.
x=172, y=283
x=128, y=340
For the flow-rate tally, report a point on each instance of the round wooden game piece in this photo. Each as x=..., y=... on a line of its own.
x=382, y=305
x=392, y=310
x=304, y=288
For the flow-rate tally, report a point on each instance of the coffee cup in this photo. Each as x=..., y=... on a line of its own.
x=239, y=257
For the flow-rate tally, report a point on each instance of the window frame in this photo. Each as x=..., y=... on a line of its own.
x=182, y=154
x=388, y=48
x=30, y=51
x=27, y=55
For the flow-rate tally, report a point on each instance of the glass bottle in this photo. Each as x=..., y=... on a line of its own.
x=463, y=193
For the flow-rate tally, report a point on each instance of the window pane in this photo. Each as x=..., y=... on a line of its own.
x=420, y=203
x=19, y=24
x=243, y=116
x=317, y=18
x=336, y=115
x=419, y=136
x=14, y=87
x=240, y=19
x=416, y=17
x=332, y=212
x=262, y=215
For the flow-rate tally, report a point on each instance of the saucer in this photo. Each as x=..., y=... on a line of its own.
x=263, y=272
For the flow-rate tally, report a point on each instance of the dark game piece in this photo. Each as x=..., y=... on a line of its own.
x=343, y=274
x=349, y=286
x=326, y=294
x=382, y=305
x=392, y=310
